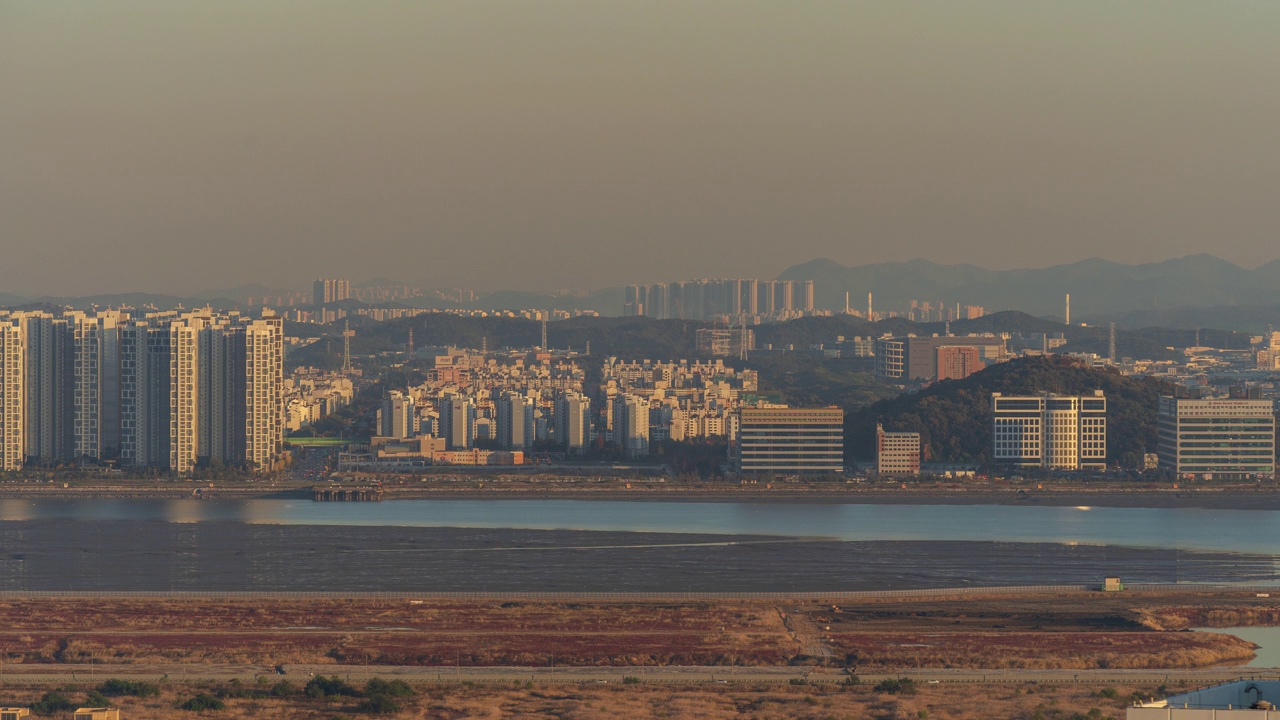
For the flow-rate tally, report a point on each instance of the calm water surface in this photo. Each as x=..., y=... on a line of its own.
x=1267, y=638
x=1241, y=531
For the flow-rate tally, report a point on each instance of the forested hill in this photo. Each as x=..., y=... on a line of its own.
x=954, y=418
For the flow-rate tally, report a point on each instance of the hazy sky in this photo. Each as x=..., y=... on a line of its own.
x=176, y=147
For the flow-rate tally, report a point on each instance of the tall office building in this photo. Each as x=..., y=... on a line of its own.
x=790, y=441
x=808, y=296
x=573, y=421
x=1055, y=432
x=897, y=453
x=13, y=363
x=1222, y=438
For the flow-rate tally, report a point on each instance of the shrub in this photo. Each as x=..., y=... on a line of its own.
x=203, y=701
x=135, y=688
x=897, y=686
x=320, y=686
x=390, y=688
x=379, y=705
x=52, y=702
x=284, y=688
x=630, y=680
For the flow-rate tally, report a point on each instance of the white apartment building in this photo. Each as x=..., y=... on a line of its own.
x=165, y=390
x=573, y=421
x=631, y=425
x=1055, y=432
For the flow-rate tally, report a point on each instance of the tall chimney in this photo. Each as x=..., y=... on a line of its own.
x=1068, y=308
x=869, y=315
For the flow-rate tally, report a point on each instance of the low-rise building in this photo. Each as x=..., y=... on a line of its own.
x=1239, y=700
x=1055, y=432
x=97, y=714
x=790, y=441
x=1227, y=438
x=897, y=453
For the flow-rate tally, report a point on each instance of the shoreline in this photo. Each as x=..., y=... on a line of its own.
x=1231, y=498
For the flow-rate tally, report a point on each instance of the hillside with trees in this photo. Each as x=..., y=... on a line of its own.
x=954, y=417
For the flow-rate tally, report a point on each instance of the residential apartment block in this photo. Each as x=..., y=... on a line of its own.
x=164, y=389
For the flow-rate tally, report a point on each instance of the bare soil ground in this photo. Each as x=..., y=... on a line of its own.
x=1071, y=630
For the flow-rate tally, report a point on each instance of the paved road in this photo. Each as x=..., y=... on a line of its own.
x=56, y=674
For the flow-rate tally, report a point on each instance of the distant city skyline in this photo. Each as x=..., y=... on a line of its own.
x=586, y=144
x=305, y=289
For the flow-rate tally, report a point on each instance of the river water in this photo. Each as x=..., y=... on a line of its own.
x=519, y=545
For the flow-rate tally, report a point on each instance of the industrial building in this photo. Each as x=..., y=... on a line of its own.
x=790, y=441
x=914, y=358
x=1239, y=700
x=1054, y=432
x=1220, y=438
x=897, y=453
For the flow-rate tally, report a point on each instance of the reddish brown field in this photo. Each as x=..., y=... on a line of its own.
x=642, y=702
x=1077, y=631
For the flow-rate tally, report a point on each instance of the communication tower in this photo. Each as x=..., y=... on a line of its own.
x=347, y=334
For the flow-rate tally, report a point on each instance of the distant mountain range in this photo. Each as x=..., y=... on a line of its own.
x=1100, y=289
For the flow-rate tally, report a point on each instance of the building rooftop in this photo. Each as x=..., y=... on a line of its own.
x=1241, y=699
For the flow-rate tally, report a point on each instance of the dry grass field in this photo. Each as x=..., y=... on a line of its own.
x=638, y=702
x=1078, y=631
